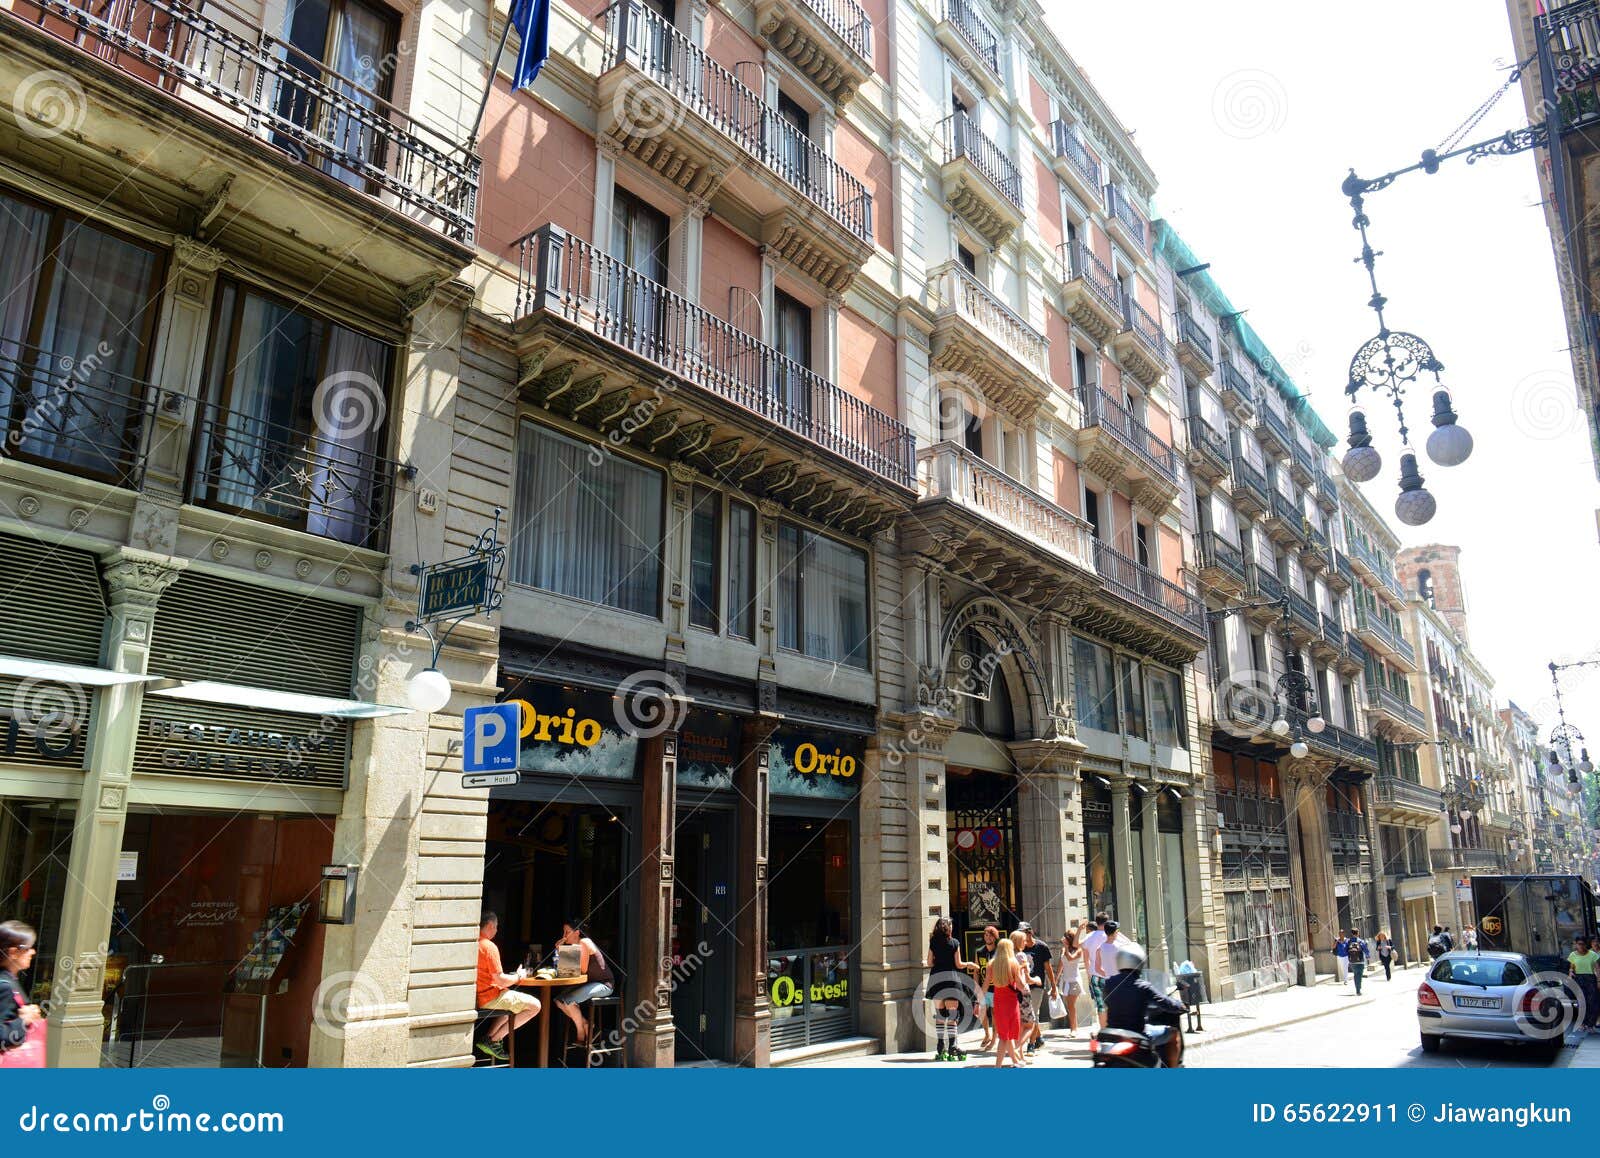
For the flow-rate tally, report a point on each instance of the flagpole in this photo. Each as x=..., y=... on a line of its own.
x=494, y=69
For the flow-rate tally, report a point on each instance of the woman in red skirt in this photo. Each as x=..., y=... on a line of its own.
x=1003, y=976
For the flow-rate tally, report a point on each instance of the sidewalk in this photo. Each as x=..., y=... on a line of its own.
x=1222, y=1021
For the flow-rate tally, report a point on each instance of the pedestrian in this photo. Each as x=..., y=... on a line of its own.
x=1581, y=968
x=1341, y=957
x=980, y=975
x=21, y=1021
x=1385, y=951
x=946, y=988
x=1105, y=962
x=1071, y=988
x=1449, y=939
x=1005, y=976
x=1439, y=943
x=1355, y=951
x=1042, y=969
x=1091, y=962
x=1469, y=937
x=1026, y=1012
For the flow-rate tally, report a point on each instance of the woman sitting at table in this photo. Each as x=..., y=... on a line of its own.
x=593, y=965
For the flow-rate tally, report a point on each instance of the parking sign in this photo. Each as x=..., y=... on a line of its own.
x=491, y=738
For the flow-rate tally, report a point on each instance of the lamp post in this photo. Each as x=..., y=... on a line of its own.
x=1563, y=738
x=1297, y=713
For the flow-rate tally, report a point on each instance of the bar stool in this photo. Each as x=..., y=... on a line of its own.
x=604, y=1015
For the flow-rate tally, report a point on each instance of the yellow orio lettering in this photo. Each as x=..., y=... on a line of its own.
x=587, y=733
x=808, y=760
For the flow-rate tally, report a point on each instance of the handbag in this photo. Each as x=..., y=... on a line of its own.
x=30, y=1054
x=1058, y=1008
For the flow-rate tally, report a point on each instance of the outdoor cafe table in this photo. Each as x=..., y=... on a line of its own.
x=548, y=984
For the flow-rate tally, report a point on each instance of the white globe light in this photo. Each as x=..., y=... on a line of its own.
x=1450, y=445
x=1413, y=508
x=1456, y=828
x=1316, y=724
x=1280, y=727
x=1362, y=463
x=428, y=691
x=1298, y=749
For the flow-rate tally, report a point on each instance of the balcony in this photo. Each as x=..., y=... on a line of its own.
x=1302, y=466
x=601, y=344
x=1266, y=586
x=1208, y=450
x=1483, y=860
x=710, y=131
x=1400, y=800
x=1327, y=493
x=1304, y=619
x=1274, y=429
x=1352, y=659
x=1196, y=350
x=973, y=42
x=1330, y=642
x=830, y=41
x=1169, y=620
x=1126, y=221
x=1250, y=492
x=1569, y=57
x=1316, y=555
x=981, y=181
x=1285, y=522
x=266, y=129
x=976, y=336
x=1221, y=565
x=993, y=529
x=1089, y=293
x=1074, y=164
x=1116, y=445
x=1237, y=390
x=1380, y=571
x=1340, y=745
x=1385, y=640
x=1140, y=346
x=1396, y=718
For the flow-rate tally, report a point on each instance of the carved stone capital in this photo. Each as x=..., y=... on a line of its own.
x=189, y=254
x=134, y=576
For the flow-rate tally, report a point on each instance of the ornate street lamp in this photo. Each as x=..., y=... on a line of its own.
x=1293, y=688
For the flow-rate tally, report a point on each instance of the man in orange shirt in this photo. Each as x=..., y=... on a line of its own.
x=495, y=991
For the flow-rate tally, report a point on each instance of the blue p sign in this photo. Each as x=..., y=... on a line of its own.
x=491, y=739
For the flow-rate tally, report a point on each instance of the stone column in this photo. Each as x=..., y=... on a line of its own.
x=134, y=583
x=1305, y=801
x=1049, y=833
x=654, y=1039
x=1122, y=853
x=1150, y=838
x=752, y=1017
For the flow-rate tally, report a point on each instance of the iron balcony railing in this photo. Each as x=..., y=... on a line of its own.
x=1304, y=612
x=1331, y=631
x=1375, y=624
x=1315, y=539
x=1339, y=742
x=1217, y=552
x=1381, y=567
x=1070, y=145
x=950, y=471
x=1104, y=411
x=1355, y=649
x=1276, y=423
x=1327, y=489
x=1481, y=859
x=1143, y=324
x=563, y=275
x=1569, y=58
x=1142, y=586
x=976, y=31
x=1209, y=439
x=963, y=138
x=1302, y=459
x=1235, y=381
x=1382, y=699
x=1392, y=789
x=219, y=62
x=1194, y=334
x=638, y=37
x=978, y=305
x=1264, y=583
x=1080, y=262
x=1248, y=810
x=1123, y=210
x=1347, y=824
x=1248, y=476
x=849, y=22
x=1285, y=510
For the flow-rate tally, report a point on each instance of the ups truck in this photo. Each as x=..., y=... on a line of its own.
x=1536, y=915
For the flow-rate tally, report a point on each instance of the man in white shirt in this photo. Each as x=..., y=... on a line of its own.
x=1091, y=961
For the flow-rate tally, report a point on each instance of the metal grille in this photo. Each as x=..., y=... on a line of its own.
x=55, y=603
x=227, y=742
x=208, y=627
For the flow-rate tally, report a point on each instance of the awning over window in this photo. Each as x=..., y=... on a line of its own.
x=66, y=673
x=244, y=696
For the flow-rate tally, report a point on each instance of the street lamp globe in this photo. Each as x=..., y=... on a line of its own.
x=1415, y=506
x=1455, y=829
x=1316, y=724
x=1449, y=444
x=1299, y=750
x=428, y=691
x=1280, y=727
x=1362, y=463
x=1585, y=765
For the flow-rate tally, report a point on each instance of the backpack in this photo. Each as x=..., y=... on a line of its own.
x=1436, y=946
x=1357, y=950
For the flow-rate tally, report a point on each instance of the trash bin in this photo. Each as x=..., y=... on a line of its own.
x=1191, y=988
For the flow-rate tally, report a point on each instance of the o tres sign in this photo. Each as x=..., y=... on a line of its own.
x=785, y=991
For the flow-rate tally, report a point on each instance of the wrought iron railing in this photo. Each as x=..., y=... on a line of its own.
x=1122, y=210
x=1080, y=262
x=1382, y=699
x=1143, y=586
x=1302, y=459
x=1248, y=477
x=1209, y=439
x=1235, y=381
x=221, y=63
x=563, y=275
x=1445, y=859
x=950, y=471
x=1304, y=612
x=1315, y=539
x=978, y=305
x=311, y=481
x=1569, y=56
x=1331, y=631
x=638, y=37
x=1264, y=583
x=1376, y=625
x=1345, y=569
x=1355, y=649
x=849, y=22
x=1381, y=567
x=963, y=138
x=1143, y=324
x=1070, y=146
x=1191, y=332
x=1285, y=510
x=1275, y=423
x=976, y=31
x=1327, y=489
x=1104, y=411
x=1217, y=552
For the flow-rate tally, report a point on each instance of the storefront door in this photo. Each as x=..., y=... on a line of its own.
x=982, y=827
x=702, y=936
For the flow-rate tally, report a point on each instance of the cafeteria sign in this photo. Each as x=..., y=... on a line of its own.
x=816, y=764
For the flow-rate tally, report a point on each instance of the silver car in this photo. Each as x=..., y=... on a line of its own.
x=1493, y=996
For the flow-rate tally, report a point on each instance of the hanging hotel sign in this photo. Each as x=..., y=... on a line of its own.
x=816, y=764
x=222, y=742
x=708, y=750
x=461, y=585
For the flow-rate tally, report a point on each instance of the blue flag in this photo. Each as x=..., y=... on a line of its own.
x=532, y=21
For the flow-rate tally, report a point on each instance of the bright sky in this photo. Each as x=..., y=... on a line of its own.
x=1251, y=113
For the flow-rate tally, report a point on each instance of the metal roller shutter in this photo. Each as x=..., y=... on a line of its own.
x=55, y=603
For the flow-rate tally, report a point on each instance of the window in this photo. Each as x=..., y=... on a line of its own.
x=1132, y=697
x=1091, y=512
x=742, y=571
x=1094, y=690
x=1080, y=366
x=968, y=259
x=822, y=597
x=972, y=433
x=705, y=542
x=1220, y=664
x=791, y=334
x=793, y=144
x=1166, y=708
x=283, y=435
x=1141, y=544
x=342, y=44
x=74, y=324
x=586, y=530
x=1258, y=653
x=637, y=305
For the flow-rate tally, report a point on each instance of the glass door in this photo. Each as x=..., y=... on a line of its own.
x=634, y=286
x=340, y=48
x=703, y=944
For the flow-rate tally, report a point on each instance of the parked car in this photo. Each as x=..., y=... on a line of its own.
x=1493, y=996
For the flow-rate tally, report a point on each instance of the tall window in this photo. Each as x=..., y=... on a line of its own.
x=341, y=44
x=1166, y=708
x=589, y=531
x=1080, y=366
x=1091, y=512
x=705, y=545
x=1141, y=543
x=635, y=293
x=822, y=597
x=1220, y=660
x=1132, y=697
x=75, y=316
x=1093, y=685
x=791, y=332
x=793, y=146
x=294, y=420
x=742, y=570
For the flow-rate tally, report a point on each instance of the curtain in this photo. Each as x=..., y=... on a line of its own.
x=1095, y=693
x=347, y=413
x=789, y=586
x=589, y=530
x=741, y=571
x=1166, y=709
x=1132, y=698
x=91, y=338
x=705, y=541
x=22, y=238
x=822, y=597
x=360, y=46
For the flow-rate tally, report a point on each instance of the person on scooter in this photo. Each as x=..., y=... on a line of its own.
x=1132, y=1003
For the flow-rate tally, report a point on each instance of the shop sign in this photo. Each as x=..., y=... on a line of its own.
x=39, y=743
x=226, y=743
x=128, y=865
x=453, y=588
x=708, y=750
x=816, y=764
x=570, y=731
x=785, y=992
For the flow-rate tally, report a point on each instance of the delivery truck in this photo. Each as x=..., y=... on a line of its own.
x=1537, y=915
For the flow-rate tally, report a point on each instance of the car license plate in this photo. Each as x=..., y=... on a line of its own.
x=1479, y=1002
